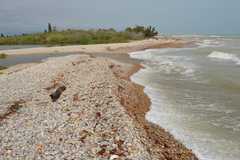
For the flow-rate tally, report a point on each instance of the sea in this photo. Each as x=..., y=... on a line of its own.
x=10, y=47
x=195, y=93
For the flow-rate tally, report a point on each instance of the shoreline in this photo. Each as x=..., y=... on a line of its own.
x=116, y=48
x=159, y=143
x=163, y=145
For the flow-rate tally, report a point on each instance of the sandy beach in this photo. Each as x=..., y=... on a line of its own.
x=99, y=115
x=101, y=48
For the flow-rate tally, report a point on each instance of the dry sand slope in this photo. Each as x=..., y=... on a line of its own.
x=94, y=118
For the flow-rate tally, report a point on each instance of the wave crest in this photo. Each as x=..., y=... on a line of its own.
x=209, y=43
x=225, y=56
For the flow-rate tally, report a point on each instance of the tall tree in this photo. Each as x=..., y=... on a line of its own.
x=2, y=35
x=49, y=27
x=148, y=32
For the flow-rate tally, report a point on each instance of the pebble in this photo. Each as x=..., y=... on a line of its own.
x=113, y=157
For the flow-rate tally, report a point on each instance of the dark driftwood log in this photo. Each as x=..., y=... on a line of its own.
x=56, y=95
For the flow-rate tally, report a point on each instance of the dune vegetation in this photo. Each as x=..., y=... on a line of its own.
x=73, y=36
x=2, y=68
x=3, y=56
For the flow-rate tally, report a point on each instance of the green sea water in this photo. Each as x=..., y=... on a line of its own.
x=195, y=94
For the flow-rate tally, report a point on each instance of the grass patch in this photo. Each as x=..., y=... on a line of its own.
x=2, y=68
x=3, y=56
x=72, y=37
x=83, y=37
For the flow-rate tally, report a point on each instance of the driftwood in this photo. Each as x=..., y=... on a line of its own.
x=56, y=95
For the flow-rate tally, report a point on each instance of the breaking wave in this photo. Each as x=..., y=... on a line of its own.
x=225, y=56
x=209, y=43
x=156, y=61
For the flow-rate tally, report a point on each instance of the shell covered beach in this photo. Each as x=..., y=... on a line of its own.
x=100, y=113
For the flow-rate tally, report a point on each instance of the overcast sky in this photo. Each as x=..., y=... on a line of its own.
x=169, y=16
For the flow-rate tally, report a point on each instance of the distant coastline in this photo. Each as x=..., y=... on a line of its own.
x=52, y=36
x=101, y=48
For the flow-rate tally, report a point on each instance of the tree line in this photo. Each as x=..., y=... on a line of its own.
x=148, y=32
x=52, y=36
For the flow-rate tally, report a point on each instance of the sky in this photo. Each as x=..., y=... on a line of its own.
x=218, y=17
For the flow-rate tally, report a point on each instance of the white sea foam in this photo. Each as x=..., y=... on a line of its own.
x=225, y=56
x=151, y=54
x=142, y=55
x=216, y=36
x=157, y=61
x=185, y=111
x=148, y=54
x=209, y=43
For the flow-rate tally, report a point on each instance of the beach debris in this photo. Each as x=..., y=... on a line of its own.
x=76, y=97
x=103, y=151
x=2, y=67
x=113, y=157
x=56, y=95
x=56, y=82
x=39, y=148
x=117, y=151
x=111, y=66
x=92, y=56
x=84, y=134
x=15, y=107
x=12, y=109
x=98, y=116
x=3, y=55
x=120, y=88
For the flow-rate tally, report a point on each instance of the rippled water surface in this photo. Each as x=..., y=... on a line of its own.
x=12, y=60
x=10, y=47
x=195, y=94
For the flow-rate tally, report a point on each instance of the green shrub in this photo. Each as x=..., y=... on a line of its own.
x=3, y=55
x=147, y=32
x=71, y=36
x=2, y=67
